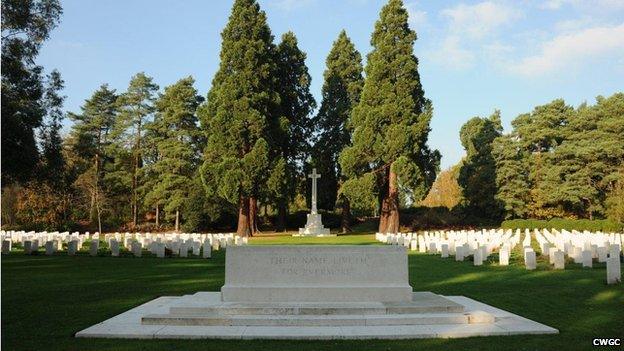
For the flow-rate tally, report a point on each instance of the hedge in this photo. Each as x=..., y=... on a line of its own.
x=604, y=225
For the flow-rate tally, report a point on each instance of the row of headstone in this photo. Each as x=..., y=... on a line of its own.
x=581, y=247
x=179, y=244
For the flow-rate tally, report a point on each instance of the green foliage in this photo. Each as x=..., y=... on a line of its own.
x=25, y=98
x=176, y=137
x=341, y=92
x=292, y=128
x=391, y=121
x=511, y=179
x=239, y=118
x=93, y=155
x=563, y=162
x=604, y=225
x=477, y=175
x=136, y=107
x=445, y=191
x=614, y=201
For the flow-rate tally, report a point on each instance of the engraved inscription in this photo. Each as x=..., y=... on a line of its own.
x=319, y=266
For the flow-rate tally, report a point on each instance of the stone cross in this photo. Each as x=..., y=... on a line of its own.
x=314, y=177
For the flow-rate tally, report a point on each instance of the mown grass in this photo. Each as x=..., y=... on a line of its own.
x=46, y=300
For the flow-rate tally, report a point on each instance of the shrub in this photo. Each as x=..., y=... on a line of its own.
x=604, y=225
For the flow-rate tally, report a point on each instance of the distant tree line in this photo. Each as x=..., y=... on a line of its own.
x=147, y=158
x=557, y=162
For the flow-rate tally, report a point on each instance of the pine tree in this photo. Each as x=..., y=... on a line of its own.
x=539, y=134
x=136, y=106
x=175, y=125
x=91, y=134
x=512, y=180
x=588, y=162
x=239, y=116
x=341, y=92
x=294, y=127
x=391, y=122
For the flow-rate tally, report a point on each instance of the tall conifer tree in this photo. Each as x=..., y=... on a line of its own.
x=294, y=125
x=390, y=123
x=91, y=137
x=341, y=92
x=177, y=145
x=239, y=117
x=136, y=106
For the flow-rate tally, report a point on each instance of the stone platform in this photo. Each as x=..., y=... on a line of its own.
x=314, y=292
x=205, y=315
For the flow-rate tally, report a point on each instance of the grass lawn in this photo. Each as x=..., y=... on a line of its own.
x=45, y=300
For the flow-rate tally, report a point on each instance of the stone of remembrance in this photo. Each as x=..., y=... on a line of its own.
x=314, y=292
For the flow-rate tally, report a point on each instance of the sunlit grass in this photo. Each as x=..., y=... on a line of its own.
x=45, y=300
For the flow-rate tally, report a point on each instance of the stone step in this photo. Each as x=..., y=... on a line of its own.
x=372, y=309
x=477, y=317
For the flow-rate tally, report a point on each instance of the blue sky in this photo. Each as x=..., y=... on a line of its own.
x=475, y=56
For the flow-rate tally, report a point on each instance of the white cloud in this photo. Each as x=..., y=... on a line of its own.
x=452, y=54
x=289, y=5
x=417, y=18
x=570, y=50
x=551, y=4
x=481, y=19
x=594, y=5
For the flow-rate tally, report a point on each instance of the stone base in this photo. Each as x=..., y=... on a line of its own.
x=314, y=226
x=203, y=315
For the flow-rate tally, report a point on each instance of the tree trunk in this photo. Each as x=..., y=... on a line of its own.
x=389, y=216
x=95, y=199
x=346, y=214
x=243, y=217
x=281, y=216
x=135, y=176
x=177, y=221
x=253, y=215
x=157, y=215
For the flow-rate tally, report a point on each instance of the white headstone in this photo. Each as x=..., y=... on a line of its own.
x=72, y=247
x=49, y=248
x=93, y=249
x=6, y=246
x=207, y=249
x=459, y=253
x=160, y=250
x=478, y=257
x=137, y=249
x=614, y=270
x=28, y=247
x=503, y=257
x=559, y=259
x=444, y=250
x=602, y=254
x=586, y=257
x=184, y=250
x=114, y=245
x=530, y=260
